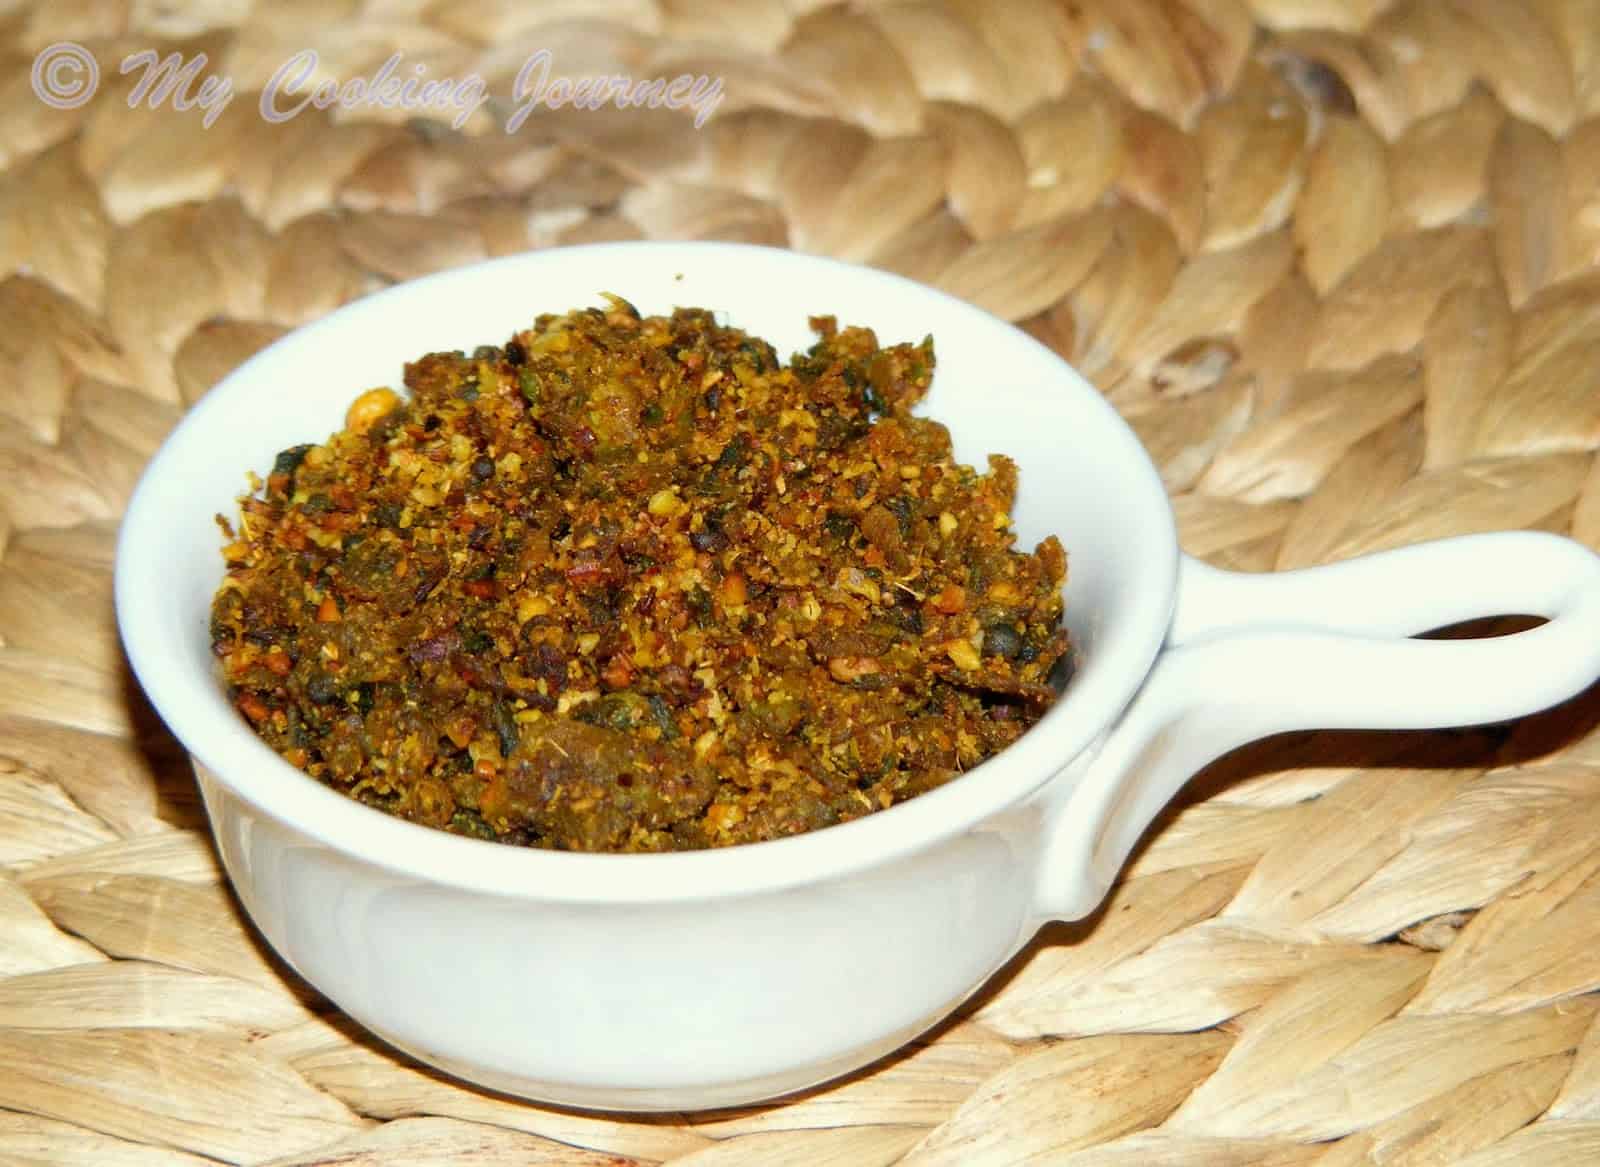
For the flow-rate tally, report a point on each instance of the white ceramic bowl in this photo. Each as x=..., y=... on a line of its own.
x=713, y=978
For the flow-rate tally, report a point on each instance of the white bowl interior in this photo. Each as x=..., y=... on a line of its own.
x=1083, y=477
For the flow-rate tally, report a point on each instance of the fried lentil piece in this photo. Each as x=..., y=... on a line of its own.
x=631, y=584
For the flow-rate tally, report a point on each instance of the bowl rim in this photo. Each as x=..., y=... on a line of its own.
x=239, y=761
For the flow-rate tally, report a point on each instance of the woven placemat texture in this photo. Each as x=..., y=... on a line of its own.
x=1333, y=259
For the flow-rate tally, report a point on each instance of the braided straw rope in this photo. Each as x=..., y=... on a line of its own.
x=1334, y=259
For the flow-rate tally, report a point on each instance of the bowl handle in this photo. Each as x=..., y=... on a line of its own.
x=1249, y=655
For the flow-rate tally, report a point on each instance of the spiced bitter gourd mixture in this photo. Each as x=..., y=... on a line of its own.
x=632, y=584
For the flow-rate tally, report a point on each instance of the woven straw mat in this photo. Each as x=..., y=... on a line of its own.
x=1333, y=259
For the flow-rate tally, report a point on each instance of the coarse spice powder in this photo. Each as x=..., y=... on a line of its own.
x=631, y=584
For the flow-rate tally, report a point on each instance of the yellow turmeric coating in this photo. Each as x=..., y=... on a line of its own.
x=632, y=584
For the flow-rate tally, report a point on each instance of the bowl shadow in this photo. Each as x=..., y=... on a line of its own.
x=1517, y=743
x=166, y=762
x=1525, y=741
